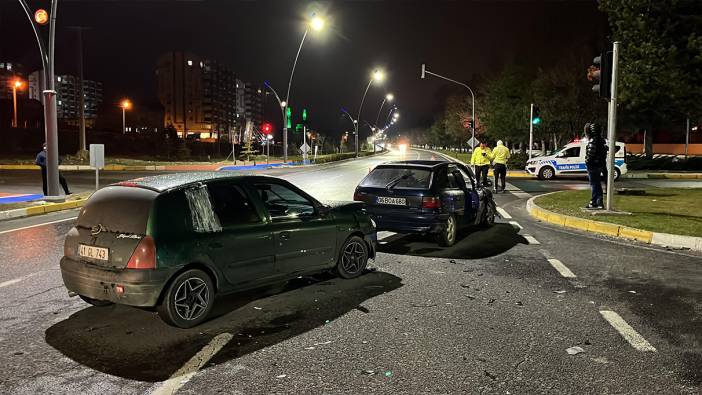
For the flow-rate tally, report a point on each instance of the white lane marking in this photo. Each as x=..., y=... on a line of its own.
x=531, y=239
x=16, y=280
x=562, y=269
x=516, y=224
x=185, y=373
x=41, y=224
x=628, y=333
x=503, y=213
x=517, y=192
x=384, y=234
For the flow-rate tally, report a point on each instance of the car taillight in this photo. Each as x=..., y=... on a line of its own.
x=358, y=196
x=144, y=256
x=431, y=202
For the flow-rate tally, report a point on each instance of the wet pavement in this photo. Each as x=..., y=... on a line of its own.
x=492, y=314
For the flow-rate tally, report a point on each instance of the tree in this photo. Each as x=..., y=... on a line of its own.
x=661, y=59
x=504, y=107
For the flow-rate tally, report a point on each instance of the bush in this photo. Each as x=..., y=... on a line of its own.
x=517, y=161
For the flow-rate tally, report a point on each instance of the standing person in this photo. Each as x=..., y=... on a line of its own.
x=481, y=160
x=41, y=162
x=595, y=160
x=499, y=156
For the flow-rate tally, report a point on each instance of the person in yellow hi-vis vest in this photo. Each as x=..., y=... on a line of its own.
x=499, y=157
x=481, y=160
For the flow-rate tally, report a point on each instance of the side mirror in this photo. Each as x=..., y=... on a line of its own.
x=323, y=210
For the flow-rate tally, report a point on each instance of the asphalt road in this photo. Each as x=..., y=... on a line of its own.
x=493, y=314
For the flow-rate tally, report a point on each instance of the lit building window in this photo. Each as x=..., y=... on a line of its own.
x=59, y=79
x=190, y=62
x=201, y=64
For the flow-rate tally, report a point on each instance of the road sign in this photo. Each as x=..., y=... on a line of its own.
x=97, y=160
x=473, y=142
x=305, y=148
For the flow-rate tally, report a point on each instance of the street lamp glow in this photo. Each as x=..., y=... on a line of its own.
x=283, y=103
x=18, y=84
x=378, y=75
x=41, y=16
x=389, y=97
x=317, y=23
x=126, y=104
x=396, y=115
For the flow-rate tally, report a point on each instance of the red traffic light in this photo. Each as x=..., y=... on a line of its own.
x=267, y=128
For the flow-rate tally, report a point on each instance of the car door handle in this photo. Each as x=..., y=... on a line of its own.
x=285, y=235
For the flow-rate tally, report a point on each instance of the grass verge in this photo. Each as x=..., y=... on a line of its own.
x=665, y=210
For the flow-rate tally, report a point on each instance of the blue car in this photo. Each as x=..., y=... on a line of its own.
x=426, y=197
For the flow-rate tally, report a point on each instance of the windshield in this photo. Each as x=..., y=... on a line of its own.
x=398, y=177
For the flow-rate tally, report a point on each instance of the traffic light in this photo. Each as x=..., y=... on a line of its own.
x=288, y=118
x=267, y=128
x=304, y=115
x=471, y=124
x=536, y=118
x=601, y=74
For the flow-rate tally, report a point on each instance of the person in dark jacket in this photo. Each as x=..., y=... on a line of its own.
x=596, y=162
x=41, y=162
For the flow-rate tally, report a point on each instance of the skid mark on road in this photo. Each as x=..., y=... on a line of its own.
x=184, y=374
x=628, y=333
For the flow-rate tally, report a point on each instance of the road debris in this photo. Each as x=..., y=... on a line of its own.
x=423, y=305
x=388, y=373
x=281, y=376
x=471, y=297
x=492, y=376
x=574, y=350
x=322, y=343
x=560, y=291
x=465, y=285
x=632, y=292
x=519, y=303
x=258, y=308
x=368, y=372
x=492, y=301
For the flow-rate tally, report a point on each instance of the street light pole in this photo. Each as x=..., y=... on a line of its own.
x=358, y=117
x=17, y=84
x=612, y=126
x=287, y=99
x=46, y=50
x=124, y=117
x=531, y=129
x=425, y=71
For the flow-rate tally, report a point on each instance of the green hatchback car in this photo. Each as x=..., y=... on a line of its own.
x=176, y=241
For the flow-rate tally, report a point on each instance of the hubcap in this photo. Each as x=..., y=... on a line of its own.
x=353, y=258
x=191, y=299
x=450, y=229
x=548, y=173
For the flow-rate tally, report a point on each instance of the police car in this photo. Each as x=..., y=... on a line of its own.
x=570, y=160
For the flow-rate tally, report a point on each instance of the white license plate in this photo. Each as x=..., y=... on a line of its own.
x=93, y=252
x=392, y=200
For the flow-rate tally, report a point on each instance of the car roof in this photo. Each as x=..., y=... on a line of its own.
x=166, y=182
x=429, y=164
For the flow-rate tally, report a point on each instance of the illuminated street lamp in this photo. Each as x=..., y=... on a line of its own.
x=316, y=24
x=16, y=84
x=125, y=105
x=378, y=76
x=389, y=98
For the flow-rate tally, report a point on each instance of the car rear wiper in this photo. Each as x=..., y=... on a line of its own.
x=397, y=180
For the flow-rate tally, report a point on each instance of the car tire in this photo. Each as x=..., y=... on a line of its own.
x=617, y=174
x=353, y=258
x=195, y=292
x=447, y=237
x=96, y=302
x=546, y=173
x=489, y=216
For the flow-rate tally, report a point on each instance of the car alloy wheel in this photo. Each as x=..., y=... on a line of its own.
x=191, y=299
x=489, y=218
x=448, y=236
x=353, y=259
x=546, y=173
x=188, y=299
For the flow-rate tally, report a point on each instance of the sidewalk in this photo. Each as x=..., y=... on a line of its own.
x=612, y=229
x=180, y=167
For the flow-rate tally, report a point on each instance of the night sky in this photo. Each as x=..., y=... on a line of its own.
x=466, y=40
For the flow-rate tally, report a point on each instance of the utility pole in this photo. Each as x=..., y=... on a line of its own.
x=81, y=89
x=37, y=18
x=687, y=136
x=612, y=126
x=531, y=129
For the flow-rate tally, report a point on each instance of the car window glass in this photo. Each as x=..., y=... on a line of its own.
x=452, y=181
x=467, y=176
x=284, y=203
x=398, y=178
x=231, y=205
x=202, y=215
x=572, y=152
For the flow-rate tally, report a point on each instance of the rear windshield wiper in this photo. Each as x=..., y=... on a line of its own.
x=397, y=180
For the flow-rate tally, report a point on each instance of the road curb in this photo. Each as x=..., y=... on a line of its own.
x=612, y=230
x=42, y=209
